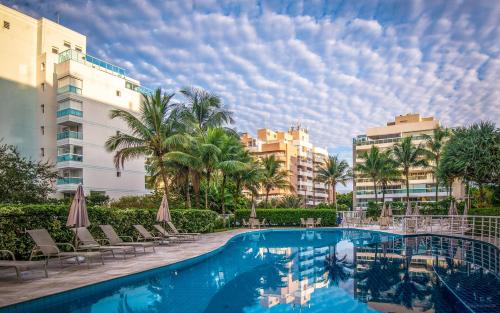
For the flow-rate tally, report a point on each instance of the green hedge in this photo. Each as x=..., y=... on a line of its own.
x=289, y=217
x=14, y=220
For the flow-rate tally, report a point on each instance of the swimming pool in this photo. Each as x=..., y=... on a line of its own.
x=275, y=271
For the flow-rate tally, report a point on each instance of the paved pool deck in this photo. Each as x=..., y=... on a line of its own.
x=70, y=276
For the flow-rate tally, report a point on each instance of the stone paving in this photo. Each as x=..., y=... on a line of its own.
x=70, y=276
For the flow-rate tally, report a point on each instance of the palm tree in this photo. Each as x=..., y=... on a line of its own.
x=153, y=132
x=388, y=173
x=371, y=166
x=332, y=172
x=408, y=155
x=229, y=162
x=435, y=145
x=203, y=110
x=273, y=177
x=249, y=179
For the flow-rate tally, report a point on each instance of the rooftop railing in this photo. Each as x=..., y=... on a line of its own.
x=363, y=141
x=402, y=191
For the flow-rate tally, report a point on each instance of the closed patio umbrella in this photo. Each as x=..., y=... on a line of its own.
x=78, y=215
x=466, y=208
x=408, y=208
x=453, y=208
x=389, y=211
x=416, y=211
x=163, y=214
x=253, y=213
x=383, y=213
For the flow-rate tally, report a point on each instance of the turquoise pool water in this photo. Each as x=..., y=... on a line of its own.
x=294, y=271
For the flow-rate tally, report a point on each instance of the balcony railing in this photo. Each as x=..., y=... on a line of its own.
x=69, y=111
x=70, y=157
x=90, y=60
x=69, y=134
x=69, y=88
x=69, y=180
x=402, y=191
x=362, y=142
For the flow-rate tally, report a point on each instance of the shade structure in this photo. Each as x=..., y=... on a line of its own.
x=253, y=214
x=453, y=208
x=163, y=214
x=78, y=215
x=409, y=210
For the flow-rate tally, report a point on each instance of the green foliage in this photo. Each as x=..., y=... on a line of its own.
x=290, y=201
x=344, y=200
x=374, y=209
x=139, y=202
x=289, y=217
x=14, y=220
x=334, y=172
x=97, y=198
x=23, y=180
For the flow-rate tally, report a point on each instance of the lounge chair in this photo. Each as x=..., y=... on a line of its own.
x=47, y=247
x=302, y=222
x=145, y=235
x=178, y=233
x=245, y=223
x=318, y=222
x=116, y=240
x=87, y=242
x=171, y=236
x=19, y=266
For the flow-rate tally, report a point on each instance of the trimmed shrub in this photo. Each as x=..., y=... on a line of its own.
x=289, y=217
x=15, y=220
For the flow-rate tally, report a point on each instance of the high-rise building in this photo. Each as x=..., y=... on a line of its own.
x=422, y=183
x=56, y=101
x=297, y=155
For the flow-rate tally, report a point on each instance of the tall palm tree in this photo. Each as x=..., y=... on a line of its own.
x=273, y=177
x=373, y=161
x=153, y=133
x=408, y=155
x=333, y=172
x=388, y=173
x=435, y=145
x=203, y=110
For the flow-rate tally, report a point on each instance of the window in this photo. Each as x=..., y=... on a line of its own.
x=78, y=48
x=6, y=25
x=55, y=50
x=42, y=66
x=118, y=174
x=43, y=86
x=42, y=129
x=67, y=45
x=42, y=152
x=42, y=107
x=118, y=132
x=118, y=93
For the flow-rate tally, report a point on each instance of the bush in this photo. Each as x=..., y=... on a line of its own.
x=289, y=217
x=15, y=220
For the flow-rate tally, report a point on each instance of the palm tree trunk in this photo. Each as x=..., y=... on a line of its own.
x=237, y=193
x=334, y=192
x=375, y=190
x=223, y=187
x=206, y=190
x=188, y=194
x=383, y=193
x=407, y=175
x=165, y=180
x=437, y=187
x=330, y=194
x=267, y=197
x=196, y=188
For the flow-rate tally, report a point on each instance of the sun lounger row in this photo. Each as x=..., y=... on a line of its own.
x=88, y=248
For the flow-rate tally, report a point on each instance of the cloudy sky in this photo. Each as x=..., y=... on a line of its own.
x=336, y=67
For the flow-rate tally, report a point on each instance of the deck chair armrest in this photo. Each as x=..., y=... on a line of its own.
x=102, y=241
x=128, y=237
x=67, y=244
x=9, y=253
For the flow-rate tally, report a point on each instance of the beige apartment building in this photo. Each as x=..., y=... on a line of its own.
x=56, y=101
x=422, y=184
x=298, y=156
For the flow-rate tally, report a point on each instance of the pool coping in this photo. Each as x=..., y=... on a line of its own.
x=196, y=257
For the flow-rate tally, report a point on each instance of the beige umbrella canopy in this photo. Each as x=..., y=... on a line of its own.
x=389, y=211
x=408, y=208
x=253, y=214
x=384, y=211
x=163, y=214
x=416, y=211
x=466, y=208
x=453, y=208
x=78, y=215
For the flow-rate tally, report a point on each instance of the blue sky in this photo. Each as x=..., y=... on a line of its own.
x=336, y=67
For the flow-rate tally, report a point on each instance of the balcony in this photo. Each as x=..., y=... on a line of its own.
x=69, y=111
x=69, y=134
x=91, y=61
x=364, y=141
x=401, y=191
x=70, y=157
x=69, y=180
x=69, y=88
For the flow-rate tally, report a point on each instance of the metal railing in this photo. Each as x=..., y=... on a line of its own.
x=364, y=141
x=69, y=88
x=402, y=190
x=483, y=228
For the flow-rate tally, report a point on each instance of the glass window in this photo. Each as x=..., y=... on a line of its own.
x=78, y=48
x=42, y=66
x=42, y=129
x=55, y=50
x=67, y=44
x=42, y=107
x=6, y=25
x=69, y=80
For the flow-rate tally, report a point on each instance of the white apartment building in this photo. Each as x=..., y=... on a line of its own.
x=56, y=101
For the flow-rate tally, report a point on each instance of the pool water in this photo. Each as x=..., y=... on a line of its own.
x=299, y=271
